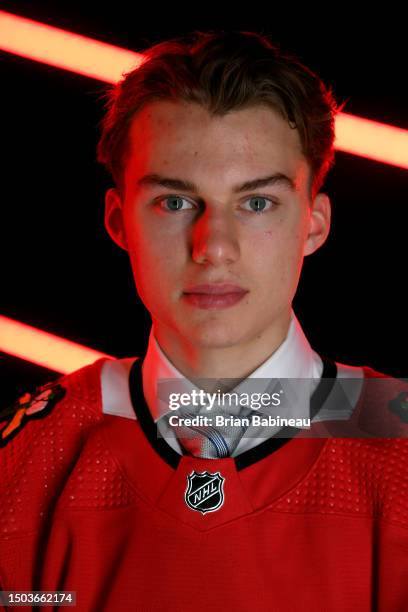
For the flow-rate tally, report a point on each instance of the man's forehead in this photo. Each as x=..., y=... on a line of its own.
x=176, y=145
x=186, y=132
x=257, y=125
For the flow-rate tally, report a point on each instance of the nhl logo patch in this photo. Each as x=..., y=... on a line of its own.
x=204, y=491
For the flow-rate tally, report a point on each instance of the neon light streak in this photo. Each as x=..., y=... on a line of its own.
x=56, y=47
x=43, y=348
x=377, y=141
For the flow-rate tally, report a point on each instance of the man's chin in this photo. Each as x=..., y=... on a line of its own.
x=215, y=335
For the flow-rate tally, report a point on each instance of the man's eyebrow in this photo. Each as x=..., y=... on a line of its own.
x=178, y=184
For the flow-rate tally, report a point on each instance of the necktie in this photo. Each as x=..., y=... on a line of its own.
x=209, y=441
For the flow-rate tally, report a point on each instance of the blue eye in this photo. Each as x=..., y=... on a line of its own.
x=174, y=203
x=260, y=203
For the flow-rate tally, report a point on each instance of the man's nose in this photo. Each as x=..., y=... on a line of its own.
x=215, y=239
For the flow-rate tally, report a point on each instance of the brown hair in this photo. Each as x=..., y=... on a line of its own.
x=223, y=71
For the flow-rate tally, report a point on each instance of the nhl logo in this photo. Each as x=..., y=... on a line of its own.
x=205, y=491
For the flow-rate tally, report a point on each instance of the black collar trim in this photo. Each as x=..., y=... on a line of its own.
x=246, y=458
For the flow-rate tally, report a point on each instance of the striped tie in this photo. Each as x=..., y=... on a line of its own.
x=209, y=441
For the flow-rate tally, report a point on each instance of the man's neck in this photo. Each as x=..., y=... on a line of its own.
x=238, y=361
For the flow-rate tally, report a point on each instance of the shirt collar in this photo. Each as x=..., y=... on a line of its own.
x=294, y=358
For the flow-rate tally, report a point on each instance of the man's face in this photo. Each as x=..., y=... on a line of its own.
x=178, y=237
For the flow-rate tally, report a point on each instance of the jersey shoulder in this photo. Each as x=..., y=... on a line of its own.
x=51, y=400
x=387, y=398
x=383, y=400
x=376, y=412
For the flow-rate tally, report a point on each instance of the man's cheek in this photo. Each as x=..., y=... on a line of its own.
x=158, y=272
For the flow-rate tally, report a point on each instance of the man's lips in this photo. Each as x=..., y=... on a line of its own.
x=215, y=289
x=214, y=296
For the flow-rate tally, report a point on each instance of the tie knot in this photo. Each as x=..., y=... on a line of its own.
x=207, y=433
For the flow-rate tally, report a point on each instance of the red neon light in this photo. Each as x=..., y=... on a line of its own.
x=44, y=43
x=377, y=141
x=43, y=348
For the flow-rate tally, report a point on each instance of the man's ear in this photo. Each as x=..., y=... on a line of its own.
x=114, y=222
x=318, y=223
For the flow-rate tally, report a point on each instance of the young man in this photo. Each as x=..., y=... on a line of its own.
x=218, y=147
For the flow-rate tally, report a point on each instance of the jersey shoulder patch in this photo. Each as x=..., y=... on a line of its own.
x=32, y=405
x=399, y=405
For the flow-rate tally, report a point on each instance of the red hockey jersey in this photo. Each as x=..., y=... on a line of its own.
x=98, y=504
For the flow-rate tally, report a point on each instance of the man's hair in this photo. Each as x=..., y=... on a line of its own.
x=223, y=71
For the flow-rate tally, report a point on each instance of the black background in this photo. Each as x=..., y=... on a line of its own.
x=62, y=273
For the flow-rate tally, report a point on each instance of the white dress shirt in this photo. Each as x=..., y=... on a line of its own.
x=294, y=359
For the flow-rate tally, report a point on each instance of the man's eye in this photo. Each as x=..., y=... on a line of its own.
x=259, y=204
x=175, y=203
